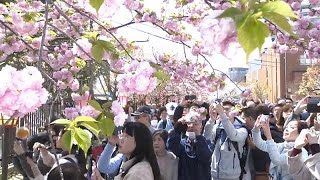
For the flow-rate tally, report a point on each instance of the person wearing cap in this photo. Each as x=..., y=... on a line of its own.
x=165, y=122
x=192, y=149
x=143, y=115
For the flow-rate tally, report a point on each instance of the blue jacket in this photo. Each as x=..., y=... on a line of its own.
x=168, y=127
x=194, y=157
x=108, y=165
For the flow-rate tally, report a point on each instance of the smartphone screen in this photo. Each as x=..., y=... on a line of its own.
x=313, y=105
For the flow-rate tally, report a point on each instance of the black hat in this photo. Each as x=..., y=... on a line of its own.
x=141, y=110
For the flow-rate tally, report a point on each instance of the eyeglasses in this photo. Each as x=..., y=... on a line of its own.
x=124, y=136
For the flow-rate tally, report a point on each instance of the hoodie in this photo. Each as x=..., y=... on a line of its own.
x=225, y=162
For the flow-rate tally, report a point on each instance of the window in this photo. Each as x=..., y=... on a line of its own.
x=306, y=61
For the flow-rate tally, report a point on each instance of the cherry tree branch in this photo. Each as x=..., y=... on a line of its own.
x=209, y=4
x=73, y=40
x=122, y=25
x=15, y=33
x=203, y=56
x=30, y=47
x=84, y=14
x=67, y=18
x=44, y=32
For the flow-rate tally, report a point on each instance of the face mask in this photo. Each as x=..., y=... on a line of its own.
x=191, y=135
x=154, y=123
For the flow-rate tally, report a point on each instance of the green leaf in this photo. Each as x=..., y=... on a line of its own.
x=280, y=21
x=115, y=56
x=96, y=4
x=83, y=139
x=107, y=46
x=161, y=75
x=279, y=7
x=106, y=106
x=230, y=12
x=95, y=105
x=84, y=119
x=97, y=52
x=30, y=16
x=90, y=35
x=252, y=34
x=109, y=115
x=92, y=126
x=67, y=140
x=62, y=121
x=80, y=63
x=107, y=126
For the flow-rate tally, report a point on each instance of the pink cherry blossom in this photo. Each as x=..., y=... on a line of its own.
x=116, y=107
x=89, y=111
x=71, y=113
x=21, y=91
x=119, y=119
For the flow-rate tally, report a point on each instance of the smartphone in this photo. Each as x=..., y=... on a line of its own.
x=313, y=105
x=192, y=97
x=264, y=118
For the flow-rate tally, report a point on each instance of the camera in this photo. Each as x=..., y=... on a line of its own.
x=313, y=105
x=190, y=97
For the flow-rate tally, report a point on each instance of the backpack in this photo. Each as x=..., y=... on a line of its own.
x=242, y=157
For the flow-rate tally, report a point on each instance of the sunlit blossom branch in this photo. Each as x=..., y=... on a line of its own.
x=122, y=25
x=73, y=40
x=209, y=4
x=47, y=76
x=40, y=69
x=84, y=14
x=67, y=18
x=295, y=42
x=44, y=32
x=15, y=33
x=203, y=56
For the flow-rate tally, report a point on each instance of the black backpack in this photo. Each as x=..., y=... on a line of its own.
x=242, y=157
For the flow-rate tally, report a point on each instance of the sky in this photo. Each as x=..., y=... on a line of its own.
x=156, y=42
x=146, y=31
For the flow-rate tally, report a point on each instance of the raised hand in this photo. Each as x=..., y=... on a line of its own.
x=17, y=147
x=257, y=124
x=301, y=140
x=113, y=140
x=313, y=136
x=266, y=129
x=95, y=173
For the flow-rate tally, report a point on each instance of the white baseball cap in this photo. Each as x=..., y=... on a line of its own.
x=171, y=107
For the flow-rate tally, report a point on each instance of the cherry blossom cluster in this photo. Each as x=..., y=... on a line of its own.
x=119, y=115
x=81, y=107
x=21, y=91
x=307, y=29
x=137, y=78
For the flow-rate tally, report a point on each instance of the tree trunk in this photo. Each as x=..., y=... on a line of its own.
x=7, y=147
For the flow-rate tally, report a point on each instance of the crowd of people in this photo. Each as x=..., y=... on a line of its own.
x=192, y=140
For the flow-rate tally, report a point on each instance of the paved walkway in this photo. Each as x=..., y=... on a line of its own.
x=13, y=175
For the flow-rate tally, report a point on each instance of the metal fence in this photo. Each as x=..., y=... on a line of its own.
x=39, y=119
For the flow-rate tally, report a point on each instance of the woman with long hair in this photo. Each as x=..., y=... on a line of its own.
x=139, y=162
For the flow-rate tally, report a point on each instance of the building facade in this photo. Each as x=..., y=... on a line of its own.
x=282, y=73
x=237, y=74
